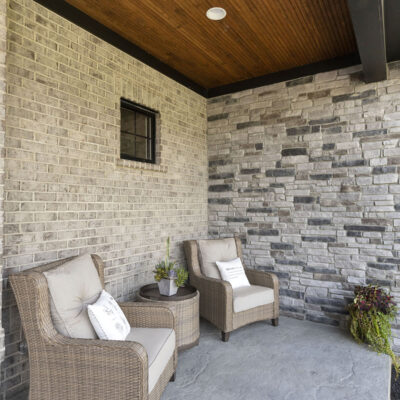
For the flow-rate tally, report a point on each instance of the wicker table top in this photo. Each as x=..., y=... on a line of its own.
x=151, y=292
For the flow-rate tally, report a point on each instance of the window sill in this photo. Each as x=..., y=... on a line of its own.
x=141, y=165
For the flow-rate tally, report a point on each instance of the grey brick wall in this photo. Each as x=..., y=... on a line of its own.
x=66, y=189
x=3, y=45
x=307, y=173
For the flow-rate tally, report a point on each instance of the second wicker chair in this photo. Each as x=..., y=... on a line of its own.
x=224, y=307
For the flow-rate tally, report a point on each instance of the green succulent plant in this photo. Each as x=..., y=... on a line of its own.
x=181, y=276
x=167, y=269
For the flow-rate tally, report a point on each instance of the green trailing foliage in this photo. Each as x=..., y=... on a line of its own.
x=371, y=313
x=167, y=269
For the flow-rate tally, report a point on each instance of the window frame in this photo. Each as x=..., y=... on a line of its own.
x=148, y=112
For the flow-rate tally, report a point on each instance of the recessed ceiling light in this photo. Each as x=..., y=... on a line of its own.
x=216, y=13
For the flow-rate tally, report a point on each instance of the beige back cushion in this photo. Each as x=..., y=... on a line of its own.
x=72, y=286
x=211, y=251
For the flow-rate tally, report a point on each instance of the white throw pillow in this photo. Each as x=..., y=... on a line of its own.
x=233, y=272
x=108, y=319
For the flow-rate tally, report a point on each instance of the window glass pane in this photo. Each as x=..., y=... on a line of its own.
x=127, y=144
x=141, y=147
x=127, y=120
x=149, y=149
x=142, y=124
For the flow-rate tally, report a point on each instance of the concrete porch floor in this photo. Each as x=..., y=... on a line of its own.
x=299, y=360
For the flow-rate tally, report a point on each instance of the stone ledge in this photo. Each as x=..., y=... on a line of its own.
x=141, y=165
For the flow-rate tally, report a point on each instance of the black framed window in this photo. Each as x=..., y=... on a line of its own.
x=138, y=132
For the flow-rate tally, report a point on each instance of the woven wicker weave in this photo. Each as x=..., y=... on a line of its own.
x=186, y=319
x=216, y=296
x=62, y=368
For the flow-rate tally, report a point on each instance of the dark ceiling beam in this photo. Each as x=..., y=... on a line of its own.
x=87, y=23
x=392, y=29
x=369, y=28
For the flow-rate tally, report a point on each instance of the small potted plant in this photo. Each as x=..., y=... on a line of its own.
x=371, y=313
x=169, y=276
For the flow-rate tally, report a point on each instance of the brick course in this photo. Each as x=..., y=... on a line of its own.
x=3, y=47
x=66, y=189
x=307, y=173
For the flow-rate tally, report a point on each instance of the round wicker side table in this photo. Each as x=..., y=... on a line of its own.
x=185, y=305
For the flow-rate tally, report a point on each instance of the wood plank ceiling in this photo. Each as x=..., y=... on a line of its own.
x=257, y=37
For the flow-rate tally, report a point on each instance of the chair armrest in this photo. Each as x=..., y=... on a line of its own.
x=97, y=366
x=148, y=315
x=216, y=288
x=216, y=300
x=262, y=278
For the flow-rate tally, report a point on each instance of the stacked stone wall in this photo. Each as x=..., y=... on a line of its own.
x=307, y=173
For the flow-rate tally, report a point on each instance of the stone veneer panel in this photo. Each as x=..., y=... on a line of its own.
x=307, y=173
x=66, y=190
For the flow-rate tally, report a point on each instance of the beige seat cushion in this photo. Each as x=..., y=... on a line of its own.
x=159, y=344
x=252, y=296
x=72, y=286
x=211, y=251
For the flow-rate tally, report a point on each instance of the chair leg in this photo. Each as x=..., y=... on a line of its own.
x=172, y=379
x=225, y=336
x=275, y=321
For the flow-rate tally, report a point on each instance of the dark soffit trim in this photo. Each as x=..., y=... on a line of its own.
x=72, y=14
x=290, y=74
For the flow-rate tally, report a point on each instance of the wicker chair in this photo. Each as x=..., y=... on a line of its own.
x=62, y=368
x=216, y=295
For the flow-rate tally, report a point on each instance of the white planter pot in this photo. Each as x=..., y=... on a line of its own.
x=167, y=287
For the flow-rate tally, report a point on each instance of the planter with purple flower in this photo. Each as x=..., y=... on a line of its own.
x=371, y=314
